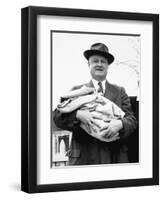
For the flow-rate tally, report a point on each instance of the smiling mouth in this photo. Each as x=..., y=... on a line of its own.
x=99, y=69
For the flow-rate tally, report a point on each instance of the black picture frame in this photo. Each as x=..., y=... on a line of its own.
x=29, y=98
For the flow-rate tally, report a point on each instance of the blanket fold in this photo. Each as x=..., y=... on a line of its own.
x=102, y=109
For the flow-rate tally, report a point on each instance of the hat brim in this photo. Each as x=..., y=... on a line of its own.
x=108, y=56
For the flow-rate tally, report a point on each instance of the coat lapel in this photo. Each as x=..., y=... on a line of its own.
x=90, y=84
x=110, y=92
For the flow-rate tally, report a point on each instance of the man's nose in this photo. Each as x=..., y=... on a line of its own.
x=99, y=62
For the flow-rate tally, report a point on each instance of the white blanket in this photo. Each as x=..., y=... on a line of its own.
x=102, y=109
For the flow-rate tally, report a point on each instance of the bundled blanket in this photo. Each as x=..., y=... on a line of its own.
x=102, y=109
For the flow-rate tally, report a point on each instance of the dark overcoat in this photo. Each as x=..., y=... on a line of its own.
x=86, y=150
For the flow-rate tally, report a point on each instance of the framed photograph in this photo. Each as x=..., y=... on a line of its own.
x=90, y=99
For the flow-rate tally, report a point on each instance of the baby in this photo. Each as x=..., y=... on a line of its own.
x=102, y=109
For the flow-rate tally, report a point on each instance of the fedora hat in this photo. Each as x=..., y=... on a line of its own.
x=99, y=49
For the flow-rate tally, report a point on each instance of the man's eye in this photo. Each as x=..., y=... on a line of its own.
x=95, y=61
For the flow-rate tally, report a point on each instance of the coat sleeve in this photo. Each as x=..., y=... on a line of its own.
x=129, y=121
x=66, y=121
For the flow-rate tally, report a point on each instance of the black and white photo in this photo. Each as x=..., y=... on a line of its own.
x=96, y=121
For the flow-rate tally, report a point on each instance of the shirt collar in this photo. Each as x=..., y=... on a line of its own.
x=95, y=83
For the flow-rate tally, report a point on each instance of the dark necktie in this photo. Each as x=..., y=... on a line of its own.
x=100, y=89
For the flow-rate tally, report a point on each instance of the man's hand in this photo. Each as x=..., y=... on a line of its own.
x=112, y=128
x=85, y=117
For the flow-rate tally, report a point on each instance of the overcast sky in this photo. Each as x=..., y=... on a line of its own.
x=70, y=68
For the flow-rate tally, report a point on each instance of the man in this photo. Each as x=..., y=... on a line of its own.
x=85, y=149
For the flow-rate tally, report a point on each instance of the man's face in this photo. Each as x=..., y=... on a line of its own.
x=98, y=66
